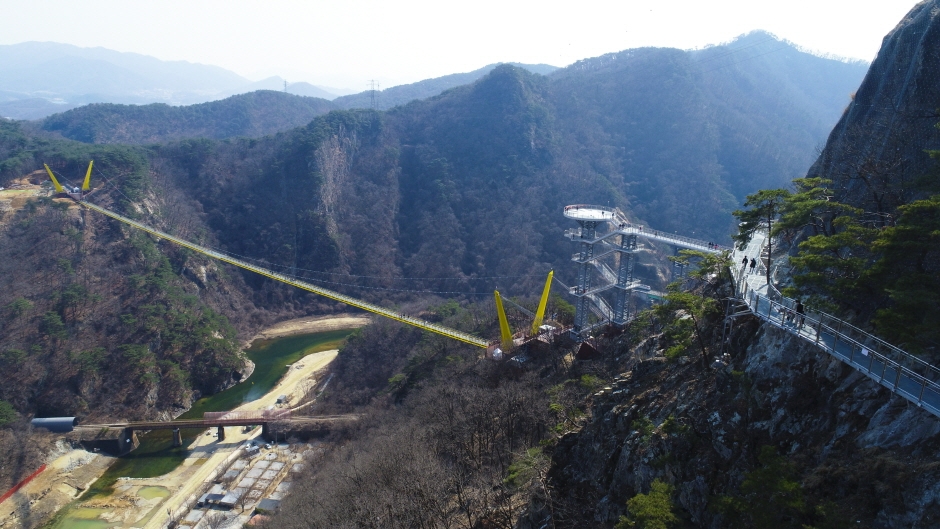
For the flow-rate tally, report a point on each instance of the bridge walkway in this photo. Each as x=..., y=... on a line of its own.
x=349, y=300
x=899, y=371
x=621, y=225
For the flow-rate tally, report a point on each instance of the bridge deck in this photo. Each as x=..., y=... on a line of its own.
x=899, y=371
x=622, y=226
x=349, y=300
x=202, y=424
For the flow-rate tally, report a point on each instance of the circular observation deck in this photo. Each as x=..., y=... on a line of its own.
x=586, y=212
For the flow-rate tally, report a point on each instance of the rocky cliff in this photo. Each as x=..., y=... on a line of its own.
x=875, y=154
x=856, y=453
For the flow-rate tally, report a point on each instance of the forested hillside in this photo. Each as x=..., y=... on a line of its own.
x=454, y=189
x=460, y=193
x=682, y=421
x=251, y=115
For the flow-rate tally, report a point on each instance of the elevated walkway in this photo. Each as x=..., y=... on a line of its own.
x=620, y=225
x=899, y=371
x=349, y=300
x=615, y=241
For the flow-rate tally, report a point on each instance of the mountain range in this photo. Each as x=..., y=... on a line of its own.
x=38, y=79
x=457, y=193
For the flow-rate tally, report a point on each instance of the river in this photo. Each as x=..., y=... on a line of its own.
x=155, y=456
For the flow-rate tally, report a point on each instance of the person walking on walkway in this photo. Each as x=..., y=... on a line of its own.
x=800, y=315
x=744, y=262
x=753, y=265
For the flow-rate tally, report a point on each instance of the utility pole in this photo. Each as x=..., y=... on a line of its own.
x=373, y=86
x=285, y=86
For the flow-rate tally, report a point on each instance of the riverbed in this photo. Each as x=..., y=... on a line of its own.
x=124, y=485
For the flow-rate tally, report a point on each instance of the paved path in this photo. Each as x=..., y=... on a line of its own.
x=893, y=368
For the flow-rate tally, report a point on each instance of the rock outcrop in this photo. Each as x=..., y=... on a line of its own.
x=875, y=154
x=866, y=454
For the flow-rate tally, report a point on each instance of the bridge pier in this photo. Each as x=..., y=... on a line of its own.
x=221, y=433
x=265, y=431
x=626, y=251
x=177, y=437
x=128, y=441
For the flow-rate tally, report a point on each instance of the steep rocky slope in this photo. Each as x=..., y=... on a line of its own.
x=876, y=154
x=859, y=454
x=783, y=435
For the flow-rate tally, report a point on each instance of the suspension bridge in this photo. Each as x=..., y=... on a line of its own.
x=902, y=373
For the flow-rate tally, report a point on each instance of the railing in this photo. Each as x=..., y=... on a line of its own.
x=893, y=368
x=656, y=235
x=349, y=300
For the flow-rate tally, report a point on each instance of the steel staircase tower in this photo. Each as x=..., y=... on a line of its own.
x=620, y=242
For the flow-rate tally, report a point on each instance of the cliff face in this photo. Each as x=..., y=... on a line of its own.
x=875, y=154
x=857, y=452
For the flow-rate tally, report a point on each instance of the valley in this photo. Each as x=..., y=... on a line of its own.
x=116, y=496
x=656, y=287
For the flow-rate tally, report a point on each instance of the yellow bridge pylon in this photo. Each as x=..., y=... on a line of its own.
x=505, y=333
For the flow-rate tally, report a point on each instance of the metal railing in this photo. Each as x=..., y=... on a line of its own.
x=901, y=372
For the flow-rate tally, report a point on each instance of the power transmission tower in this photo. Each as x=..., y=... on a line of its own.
x=373, y=86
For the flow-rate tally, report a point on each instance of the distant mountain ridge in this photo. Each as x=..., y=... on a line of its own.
x=402, y=94
x=253, y=114
x=38, y=79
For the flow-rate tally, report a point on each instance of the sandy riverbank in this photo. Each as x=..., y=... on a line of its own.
x=311, y=324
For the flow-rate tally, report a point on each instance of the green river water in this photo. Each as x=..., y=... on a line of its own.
x=155, y=456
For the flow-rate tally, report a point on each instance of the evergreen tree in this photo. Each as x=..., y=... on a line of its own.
x=654, y=510
x=765, y=206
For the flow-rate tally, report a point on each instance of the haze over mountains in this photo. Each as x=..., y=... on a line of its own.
x=38, y=79
x=41, y=78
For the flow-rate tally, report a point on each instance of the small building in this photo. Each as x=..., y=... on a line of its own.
x=281, y=399
x=229, y=500
x=209, y=499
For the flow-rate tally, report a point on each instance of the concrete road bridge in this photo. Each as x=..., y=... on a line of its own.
x=219, y=420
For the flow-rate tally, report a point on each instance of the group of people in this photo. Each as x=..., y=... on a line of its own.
x=795, y=316
x=753, y=264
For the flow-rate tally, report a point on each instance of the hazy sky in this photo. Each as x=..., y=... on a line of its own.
x=344, y=43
